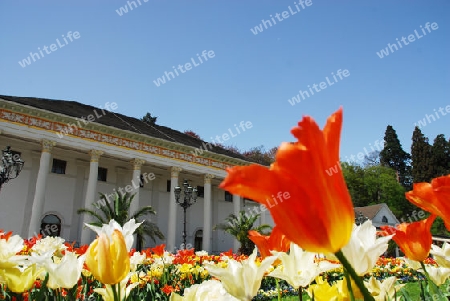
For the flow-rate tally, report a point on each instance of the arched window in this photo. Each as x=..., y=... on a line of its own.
x=384, y=219
x=198, y=241
x=50, y=225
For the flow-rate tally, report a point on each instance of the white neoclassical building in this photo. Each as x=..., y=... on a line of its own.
x=73, y=152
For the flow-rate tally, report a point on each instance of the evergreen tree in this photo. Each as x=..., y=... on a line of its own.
x=422, y=169
x=440, y=156
x=396, y=158
x=149, y=119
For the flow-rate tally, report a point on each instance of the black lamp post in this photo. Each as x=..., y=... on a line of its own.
x=11, y=166
x=190, y=197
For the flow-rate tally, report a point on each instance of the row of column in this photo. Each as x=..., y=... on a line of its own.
x=90, y=197
x=207, y=210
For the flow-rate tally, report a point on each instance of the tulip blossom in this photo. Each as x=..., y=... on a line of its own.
x=107, y=292
x=66, y=273
x=107, y=258
x=136, y=259
x=127, y=230
x=311, y=207
x=9, y=247
x=437, y=274
x=19, y=281
x=299, y=268
x=384, y=290
x=242, y=279
x=433, y=197
x=207, y=290
x=49, y=244
x=364, y=249
x=441, y=255
x=276, y=241
x=414, y=239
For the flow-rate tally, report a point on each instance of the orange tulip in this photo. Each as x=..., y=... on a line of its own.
x=316, y=211
x=414, y=239
x=276, y=241
x=433, y=197
x=107, y=258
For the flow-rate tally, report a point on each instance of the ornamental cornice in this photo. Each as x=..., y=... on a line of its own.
x=56, y=123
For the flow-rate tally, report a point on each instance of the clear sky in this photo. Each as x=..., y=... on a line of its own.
x=117, y=56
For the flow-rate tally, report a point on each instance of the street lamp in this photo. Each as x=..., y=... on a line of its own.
x=11, y=166
x=190, y=197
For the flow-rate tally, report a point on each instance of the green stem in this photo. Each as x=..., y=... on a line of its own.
x=435, y=289
x=116, y=297
x=349, y=285
x=358, y=281
x=278, y=289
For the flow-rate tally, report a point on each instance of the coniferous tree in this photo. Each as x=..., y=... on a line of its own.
x=422, y=168
x=440, y=156
x=396, y=158
x=149, y=119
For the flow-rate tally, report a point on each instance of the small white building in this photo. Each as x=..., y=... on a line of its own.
x=74, y=151
x=379, y=214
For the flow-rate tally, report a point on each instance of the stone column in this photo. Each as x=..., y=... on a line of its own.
x=41, y=181
x=172, y=226
x=207, y=209
x=135, y=183
x=76, y=226
x=236, y=209
x=90, y=198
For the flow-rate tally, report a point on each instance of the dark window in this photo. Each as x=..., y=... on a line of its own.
x=168, y=185
x=50, y=225
x=141, y=182
x=228, y=197
x=59, y=166
x=201, y=191
x=102, y=172
x=384, y=219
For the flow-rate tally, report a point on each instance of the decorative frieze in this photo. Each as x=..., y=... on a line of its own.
x=56, y=127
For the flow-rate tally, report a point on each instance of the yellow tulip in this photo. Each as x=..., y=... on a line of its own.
x=107, y=258
x=18, y=281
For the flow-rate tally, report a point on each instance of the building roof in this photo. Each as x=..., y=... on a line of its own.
x=119, y=121
x=370, y=211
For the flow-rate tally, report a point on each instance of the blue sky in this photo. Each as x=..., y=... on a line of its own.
x=251, y=76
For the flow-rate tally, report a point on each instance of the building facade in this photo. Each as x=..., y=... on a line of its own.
x=73, y=152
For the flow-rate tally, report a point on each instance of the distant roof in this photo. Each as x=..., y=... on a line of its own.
x=119, y=121
x=370, y=211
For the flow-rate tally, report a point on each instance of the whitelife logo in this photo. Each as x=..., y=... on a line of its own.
x=162, y=80
x=284, y=15
x=53, y=47
x=411, y=38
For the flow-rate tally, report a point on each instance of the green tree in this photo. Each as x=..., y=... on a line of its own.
x=238, y=226
x=396, y=158
x=118, y=210
x=354, y=177
x=375, y=184
x=149, y=119
x=422, y=169
x=440, y=156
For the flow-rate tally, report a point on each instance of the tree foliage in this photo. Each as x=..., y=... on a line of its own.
x=422, y=168
x=149, y=119
x=440, y=156
x=238, y=226
x=396, y=158
x=259, y=155
x=192, y=134
x=118, y=210
x=375, y=184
